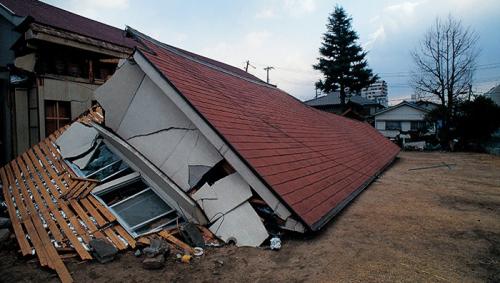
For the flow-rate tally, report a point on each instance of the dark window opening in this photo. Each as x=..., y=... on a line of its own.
x=393, y=125
x=57, y=115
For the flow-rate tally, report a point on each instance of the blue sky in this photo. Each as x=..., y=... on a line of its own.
x=286, y=34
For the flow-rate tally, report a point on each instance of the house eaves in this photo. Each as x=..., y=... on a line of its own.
x=404, y=103
x=35, y=31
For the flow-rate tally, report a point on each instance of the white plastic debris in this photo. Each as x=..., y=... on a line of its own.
x=275, y=243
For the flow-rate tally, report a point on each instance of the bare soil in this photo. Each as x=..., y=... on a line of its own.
x=436, y=224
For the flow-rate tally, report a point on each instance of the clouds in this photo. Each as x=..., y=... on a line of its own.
x=281, y=9
x=95, y=6
x=406, y=7
x=286, y=34
x=266, y=13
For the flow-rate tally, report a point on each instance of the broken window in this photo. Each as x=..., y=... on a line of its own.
x=104, y=165
x=137, y=207
x=100, y=163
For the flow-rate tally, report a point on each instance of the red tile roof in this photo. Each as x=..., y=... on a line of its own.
x=314, y=161
x=52, y=16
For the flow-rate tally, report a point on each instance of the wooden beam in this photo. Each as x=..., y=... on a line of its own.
x=18, y=229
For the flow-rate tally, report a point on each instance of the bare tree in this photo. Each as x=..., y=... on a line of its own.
x=445, y=61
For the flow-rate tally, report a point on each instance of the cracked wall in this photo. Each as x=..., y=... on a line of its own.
x=138, y=111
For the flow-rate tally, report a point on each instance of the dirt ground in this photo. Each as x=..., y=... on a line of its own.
x=436, y=224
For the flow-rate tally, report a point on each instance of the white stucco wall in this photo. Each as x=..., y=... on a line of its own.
x=79, y=94
x=404, y=114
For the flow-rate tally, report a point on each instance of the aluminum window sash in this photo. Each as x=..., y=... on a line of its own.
x=159, y=228
x=114, y=174
x=130, y=197
x=102, y=168
x=150, y=220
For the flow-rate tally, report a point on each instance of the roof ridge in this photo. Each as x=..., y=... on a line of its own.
x=184, y=54
x=33, y=5
x=75, y=14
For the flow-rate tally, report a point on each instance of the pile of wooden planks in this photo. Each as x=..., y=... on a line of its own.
x=51, y=208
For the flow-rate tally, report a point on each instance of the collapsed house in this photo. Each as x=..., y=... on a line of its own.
x=186, y=139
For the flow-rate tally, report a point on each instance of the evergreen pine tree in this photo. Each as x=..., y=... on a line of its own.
x=342, y=60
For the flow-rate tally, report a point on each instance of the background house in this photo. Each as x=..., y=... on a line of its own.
x=404, y=118
x=357, y=107
x=51, y=61
x=494, y=94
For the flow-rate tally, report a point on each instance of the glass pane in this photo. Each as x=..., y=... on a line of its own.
x=141, y=208
x=64, y=109
x=50, y=127
x=50, y=108
x=103, y=164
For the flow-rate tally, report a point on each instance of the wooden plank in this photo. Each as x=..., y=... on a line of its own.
x=54, y=261
x=40, y=229
x=109, y=216
x=34, y=161
x=116, y=241
x=84, y=255
x=18, y=229
x=167, y=236
x=85, y=179
x=125, y=235
x=27, y=217
x=43, y=157
x=93, y=212
x=66, y=167
x=41, y=206
x=79, y=228
x=49, y=169
x=71, y=192
x=81, y=190
x=53, y=159
x=144, y=240
x=83, y=215
x=87, y=191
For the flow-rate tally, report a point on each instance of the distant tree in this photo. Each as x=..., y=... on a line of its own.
x=444, y=66
x=342, y=59
x=476, y=120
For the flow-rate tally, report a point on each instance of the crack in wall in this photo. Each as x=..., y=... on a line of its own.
x=159, y=131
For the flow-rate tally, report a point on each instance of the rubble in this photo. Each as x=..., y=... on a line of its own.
x=156, y=247
x=192, y=235
x=103, y=250
x=4, y=234
x=4, y=222
x=152, y=263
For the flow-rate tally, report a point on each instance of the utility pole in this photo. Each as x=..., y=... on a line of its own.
x=267, y=69
x=247, y=63
x=470, y=91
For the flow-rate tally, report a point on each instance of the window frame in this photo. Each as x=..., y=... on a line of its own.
x=57, y=118
x=388, y=122
x=121, y=182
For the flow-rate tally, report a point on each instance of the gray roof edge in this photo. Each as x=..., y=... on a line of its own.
x=399, y=105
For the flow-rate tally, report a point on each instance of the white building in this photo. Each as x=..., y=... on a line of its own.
x=494, y=94
x=403, y=118
x=377, y=91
